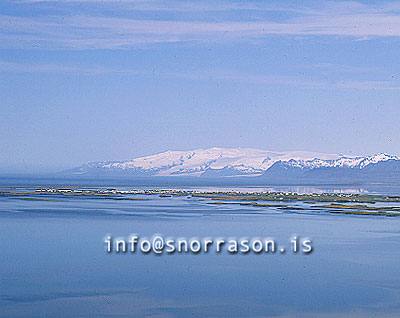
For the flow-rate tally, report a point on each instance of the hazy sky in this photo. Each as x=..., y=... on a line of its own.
x=97, y=80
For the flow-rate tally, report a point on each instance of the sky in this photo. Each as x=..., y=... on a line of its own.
x=94, y=80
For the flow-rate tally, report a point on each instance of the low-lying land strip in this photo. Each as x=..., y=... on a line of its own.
x=345, y=203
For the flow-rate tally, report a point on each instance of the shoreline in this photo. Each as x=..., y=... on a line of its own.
x=336, y=203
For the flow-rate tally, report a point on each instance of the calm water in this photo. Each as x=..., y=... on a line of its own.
x=53, y=262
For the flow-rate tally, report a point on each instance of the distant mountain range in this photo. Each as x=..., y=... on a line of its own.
x=290, y=166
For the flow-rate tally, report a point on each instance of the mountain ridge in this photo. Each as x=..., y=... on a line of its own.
x=245, y=162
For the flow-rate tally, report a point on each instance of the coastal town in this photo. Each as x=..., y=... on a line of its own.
x=229, y=195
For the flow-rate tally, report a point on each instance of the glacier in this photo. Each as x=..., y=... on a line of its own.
x=240, y=162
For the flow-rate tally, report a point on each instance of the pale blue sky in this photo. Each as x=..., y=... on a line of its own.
x=97, y=80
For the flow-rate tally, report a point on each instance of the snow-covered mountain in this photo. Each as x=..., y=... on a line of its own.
x=227, y=162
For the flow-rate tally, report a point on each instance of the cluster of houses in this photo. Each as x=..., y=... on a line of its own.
x=189, y=192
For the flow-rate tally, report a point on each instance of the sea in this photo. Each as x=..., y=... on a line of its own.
x=54, y=260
